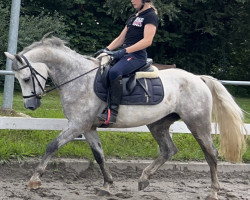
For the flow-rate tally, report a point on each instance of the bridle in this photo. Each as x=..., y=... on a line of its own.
x=34, y=74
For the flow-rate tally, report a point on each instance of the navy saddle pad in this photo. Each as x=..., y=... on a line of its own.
x=145, y=91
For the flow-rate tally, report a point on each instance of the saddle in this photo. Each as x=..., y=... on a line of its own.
x=143, y=87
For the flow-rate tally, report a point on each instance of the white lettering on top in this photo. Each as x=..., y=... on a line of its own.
x=138, y=22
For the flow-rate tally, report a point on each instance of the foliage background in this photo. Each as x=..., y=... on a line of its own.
x=200, y=36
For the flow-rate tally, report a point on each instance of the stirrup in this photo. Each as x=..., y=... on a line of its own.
x=105, y=116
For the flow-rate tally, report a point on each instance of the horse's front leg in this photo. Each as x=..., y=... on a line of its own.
x=96, y=147
x=64, y=137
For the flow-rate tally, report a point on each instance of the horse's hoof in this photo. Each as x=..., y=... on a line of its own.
x=102, y=192
x=143, y=184
x=34, y=185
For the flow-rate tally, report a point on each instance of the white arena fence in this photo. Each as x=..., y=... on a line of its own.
x=22, y=123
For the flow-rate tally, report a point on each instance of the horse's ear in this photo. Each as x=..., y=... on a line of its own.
x=19, y=59
x=10, y=56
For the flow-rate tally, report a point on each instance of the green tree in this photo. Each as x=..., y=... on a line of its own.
x=4, y=30
x=89, y=28
x=31, y=28
x=201, y=36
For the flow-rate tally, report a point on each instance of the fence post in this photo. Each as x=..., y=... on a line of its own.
x=12, y=48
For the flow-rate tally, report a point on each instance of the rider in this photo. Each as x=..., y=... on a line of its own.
x=136, y=36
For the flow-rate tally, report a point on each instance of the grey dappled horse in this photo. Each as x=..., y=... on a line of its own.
x=187, y=97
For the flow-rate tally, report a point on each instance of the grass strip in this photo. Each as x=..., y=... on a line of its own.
x=18, y=145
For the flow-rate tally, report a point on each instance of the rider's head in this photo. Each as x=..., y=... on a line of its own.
x=139, y=4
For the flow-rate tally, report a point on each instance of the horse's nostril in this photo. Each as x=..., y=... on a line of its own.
x=32, y=103
x=31, y=108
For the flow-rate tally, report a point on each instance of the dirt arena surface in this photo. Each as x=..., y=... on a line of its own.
x=61, y=182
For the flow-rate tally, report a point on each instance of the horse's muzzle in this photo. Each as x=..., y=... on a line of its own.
x=32, y=103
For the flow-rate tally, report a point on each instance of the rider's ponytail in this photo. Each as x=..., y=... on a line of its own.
x=152, y=6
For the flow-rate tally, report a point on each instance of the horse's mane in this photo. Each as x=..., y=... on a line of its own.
x=53, y=42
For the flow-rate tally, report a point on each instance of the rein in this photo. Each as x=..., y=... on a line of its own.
x=34, y=74
x=57, y=86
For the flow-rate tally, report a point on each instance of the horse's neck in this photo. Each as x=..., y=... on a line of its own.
x=62, y=66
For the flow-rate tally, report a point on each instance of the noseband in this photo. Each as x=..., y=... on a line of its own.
x=34, y=74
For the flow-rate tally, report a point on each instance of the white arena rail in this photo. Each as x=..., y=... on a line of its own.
x=22, y=123
x=226, y=82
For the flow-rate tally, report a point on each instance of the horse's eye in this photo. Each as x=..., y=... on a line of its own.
x=26, y=80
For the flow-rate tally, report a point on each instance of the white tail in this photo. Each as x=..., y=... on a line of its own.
x=229, y=117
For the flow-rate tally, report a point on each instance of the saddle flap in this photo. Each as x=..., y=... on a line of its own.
x=128, y=84
x=133, y=91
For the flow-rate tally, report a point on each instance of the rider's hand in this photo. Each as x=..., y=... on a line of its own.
x=100, y=51
x=117, y=55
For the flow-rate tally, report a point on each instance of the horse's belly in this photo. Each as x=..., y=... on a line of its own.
x=132, y=116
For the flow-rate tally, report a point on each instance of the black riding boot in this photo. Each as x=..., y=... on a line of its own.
x=115, y=99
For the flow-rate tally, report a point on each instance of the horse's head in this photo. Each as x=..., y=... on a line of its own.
x=32, y=78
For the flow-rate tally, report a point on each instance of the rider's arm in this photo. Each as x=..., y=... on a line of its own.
x=118, y=41
x=149, y=33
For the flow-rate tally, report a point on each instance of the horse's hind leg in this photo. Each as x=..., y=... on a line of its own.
x=96, y=147
x=160, y=131
x=201, y=129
